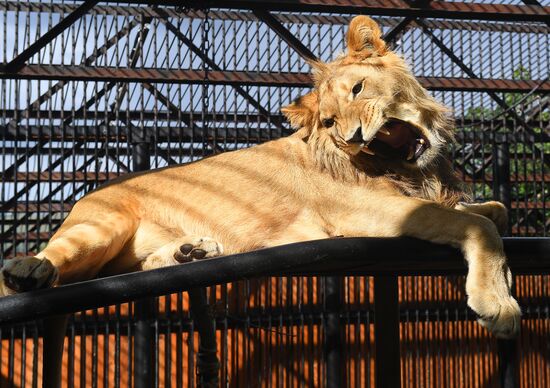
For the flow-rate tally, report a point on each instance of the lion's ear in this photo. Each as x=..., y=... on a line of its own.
x=303, y=111
x=365, y=38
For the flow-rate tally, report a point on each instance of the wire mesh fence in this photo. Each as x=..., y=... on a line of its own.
x=123, y=75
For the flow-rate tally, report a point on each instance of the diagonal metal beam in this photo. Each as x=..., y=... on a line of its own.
x=285, y=34
x=470, y=73
x=35, y=105
x=18, y=62
x=397, y=30
x=137, y=49
x=403, y=24
x=162, y=15
x=66, y=122
x=8, y=232
x=538, y=4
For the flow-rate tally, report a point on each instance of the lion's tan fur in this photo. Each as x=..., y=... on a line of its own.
x=313, y=184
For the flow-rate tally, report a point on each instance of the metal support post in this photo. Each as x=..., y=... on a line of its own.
x=334, y=334
x=507, y=349
x=144, y=309
x=501, y=170
x=386, y=332
x=208, y=365
x=55, y=328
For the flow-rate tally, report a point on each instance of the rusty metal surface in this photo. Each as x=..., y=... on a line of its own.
x=181, y=76
x=433, y=9
x=283, y=17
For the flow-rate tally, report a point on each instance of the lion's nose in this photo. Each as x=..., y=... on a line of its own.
x=357, y=136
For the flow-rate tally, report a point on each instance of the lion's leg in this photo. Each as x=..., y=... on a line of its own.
x=182, y=250
x=76, y=252
x=493, y=210
x=488, y=283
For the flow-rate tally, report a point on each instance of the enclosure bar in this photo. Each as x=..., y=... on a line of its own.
x=472, y=75
x=275, y=119
x=343, y=256
x=507, y=350
x=391, y=35
x=185, y=76
x=434, y=9
x=508, y=367
x=18, y=62
x=386, y=332
x=501, y=171
x=144, y=309
x=284, y=34
x=334, y=336
x=208, y=365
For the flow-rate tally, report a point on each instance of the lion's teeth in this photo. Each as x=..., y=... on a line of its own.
x=418, y=149
x=384, y=131
x=367, y=150
x=411, y=154
x=421, y=141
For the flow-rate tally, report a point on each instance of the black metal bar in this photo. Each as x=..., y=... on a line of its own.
x=386, y=332
x=285, y=34
x=332, y=257
x=501, y=172
x=55, y=328
x=18, y=62
x=397, y=30
x=208, y=366
x=334, y=338
x=144, y=309
x=144, y=314
x=507, y=349
x=508, y=363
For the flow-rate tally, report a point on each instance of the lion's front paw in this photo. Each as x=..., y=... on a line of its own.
x=500, y=315
x=197, y=249
x=497, y=212
x=27, y=273
x=493, y=210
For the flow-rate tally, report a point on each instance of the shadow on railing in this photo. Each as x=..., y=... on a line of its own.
x=384, y=259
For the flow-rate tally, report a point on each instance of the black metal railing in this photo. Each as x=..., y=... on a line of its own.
x=332, y=258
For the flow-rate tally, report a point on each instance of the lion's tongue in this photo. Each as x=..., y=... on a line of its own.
x=399, y=135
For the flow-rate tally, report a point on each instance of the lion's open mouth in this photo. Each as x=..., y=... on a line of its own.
x=398, y=140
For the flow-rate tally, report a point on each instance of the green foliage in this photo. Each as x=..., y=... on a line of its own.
x=528, y=167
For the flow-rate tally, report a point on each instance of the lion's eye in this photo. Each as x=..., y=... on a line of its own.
x=357, y=88
x=327, y=123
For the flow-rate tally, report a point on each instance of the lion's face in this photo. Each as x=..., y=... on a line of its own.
x=368, y=101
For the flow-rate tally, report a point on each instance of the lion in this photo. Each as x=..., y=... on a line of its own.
x=368, y=158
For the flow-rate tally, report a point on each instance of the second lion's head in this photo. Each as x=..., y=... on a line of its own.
x=367, y=103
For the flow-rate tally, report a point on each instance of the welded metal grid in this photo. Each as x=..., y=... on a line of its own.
x=60, y=139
